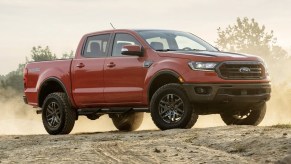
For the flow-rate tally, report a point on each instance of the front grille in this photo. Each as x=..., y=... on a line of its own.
x=241, y=70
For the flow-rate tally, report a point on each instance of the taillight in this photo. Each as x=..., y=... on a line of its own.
x=25, y=73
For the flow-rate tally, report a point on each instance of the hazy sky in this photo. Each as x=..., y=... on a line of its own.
x=61, y=23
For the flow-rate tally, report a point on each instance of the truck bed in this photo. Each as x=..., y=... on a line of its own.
x=37, y=72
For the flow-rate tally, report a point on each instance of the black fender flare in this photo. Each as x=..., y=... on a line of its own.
x=54, y=79
x=157, y=74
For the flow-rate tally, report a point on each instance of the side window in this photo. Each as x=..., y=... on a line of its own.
x=121, y=40
x=96, y=46
x=158, y=43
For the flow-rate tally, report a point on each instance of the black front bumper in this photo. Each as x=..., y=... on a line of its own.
x=228, y=93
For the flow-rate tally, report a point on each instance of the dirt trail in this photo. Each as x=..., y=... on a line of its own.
x=227, y=144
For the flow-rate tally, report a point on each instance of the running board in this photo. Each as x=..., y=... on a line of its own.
x=88, y=111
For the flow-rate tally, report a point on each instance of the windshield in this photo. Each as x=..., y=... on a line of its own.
x=162, y=40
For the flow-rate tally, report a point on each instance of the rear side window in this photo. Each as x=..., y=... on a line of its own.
x=96, y=46
x=121, y=40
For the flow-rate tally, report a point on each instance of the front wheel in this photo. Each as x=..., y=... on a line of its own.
x=170, y=108
x=252, y=116
x=57, y=115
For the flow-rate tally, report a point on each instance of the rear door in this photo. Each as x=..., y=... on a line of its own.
x=87, y=71
x=123, y=75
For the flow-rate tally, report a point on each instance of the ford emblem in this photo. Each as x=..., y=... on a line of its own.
x=244, y=70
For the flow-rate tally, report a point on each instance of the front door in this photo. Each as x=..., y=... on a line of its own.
x=123, y=75
x=87, y=72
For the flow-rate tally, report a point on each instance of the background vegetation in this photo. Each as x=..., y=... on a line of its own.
x=14, y=79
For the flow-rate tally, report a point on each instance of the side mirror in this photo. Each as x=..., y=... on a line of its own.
x=132, y=50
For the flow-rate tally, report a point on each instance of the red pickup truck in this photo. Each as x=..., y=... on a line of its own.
x=173, y=75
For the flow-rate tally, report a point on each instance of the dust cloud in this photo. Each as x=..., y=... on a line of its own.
x=19, y=118
x=16, y=117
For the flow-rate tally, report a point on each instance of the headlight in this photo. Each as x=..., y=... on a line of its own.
x=203, y=66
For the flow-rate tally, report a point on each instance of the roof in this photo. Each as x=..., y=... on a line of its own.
x=128, y=30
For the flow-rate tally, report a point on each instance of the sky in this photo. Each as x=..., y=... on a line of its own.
x=60, y=24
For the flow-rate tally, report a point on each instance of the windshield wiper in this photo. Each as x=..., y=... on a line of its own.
x=165, y=50
x=189, y=49
x=197, y=50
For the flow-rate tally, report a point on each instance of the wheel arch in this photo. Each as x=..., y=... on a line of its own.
x=49, y=86
x=162, y=78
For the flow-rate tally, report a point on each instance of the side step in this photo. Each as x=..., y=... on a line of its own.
x=88, y=111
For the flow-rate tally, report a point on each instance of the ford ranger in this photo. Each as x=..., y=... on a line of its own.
x=175, y=76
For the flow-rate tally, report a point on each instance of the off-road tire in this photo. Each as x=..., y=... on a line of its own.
x=192, y=121
x=65, y=115
x=129, y=121
x=254, y=117
x=187, y=120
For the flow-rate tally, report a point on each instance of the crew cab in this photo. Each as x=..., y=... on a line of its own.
x=175, y=76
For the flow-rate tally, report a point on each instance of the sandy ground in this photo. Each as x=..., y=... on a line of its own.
x=225, y=144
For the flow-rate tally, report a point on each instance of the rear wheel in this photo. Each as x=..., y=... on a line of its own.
x=252, y=116
x=127, y=121
x=170, y=108
x=57, y=115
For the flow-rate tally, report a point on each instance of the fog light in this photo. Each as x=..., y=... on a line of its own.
x=202, y=90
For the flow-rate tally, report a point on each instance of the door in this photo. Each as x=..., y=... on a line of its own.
x=123, y=75
x=87, y=72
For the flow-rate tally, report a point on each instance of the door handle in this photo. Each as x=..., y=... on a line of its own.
x=111, y=64
x=80, y=65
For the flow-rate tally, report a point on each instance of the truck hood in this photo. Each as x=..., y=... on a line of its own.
x=208, y=55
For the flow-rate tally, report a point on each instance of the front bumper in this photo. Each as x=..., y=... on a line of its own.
x=228, y=93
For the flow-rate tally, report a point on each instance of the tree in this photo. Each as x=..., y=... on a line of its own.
x=248, y=36
x=2, y=81
x=14, y=79
x=68, y=55
x=42, y=54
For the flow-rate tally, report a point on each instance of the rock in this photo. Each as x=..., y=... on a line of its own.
x=267, y=161
x=157, y=150
x=248, y=154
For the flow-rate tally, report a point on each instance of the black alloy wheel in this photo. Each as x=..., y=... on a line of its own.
x=252, y=116
x=170, y=108
x=57, y=115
